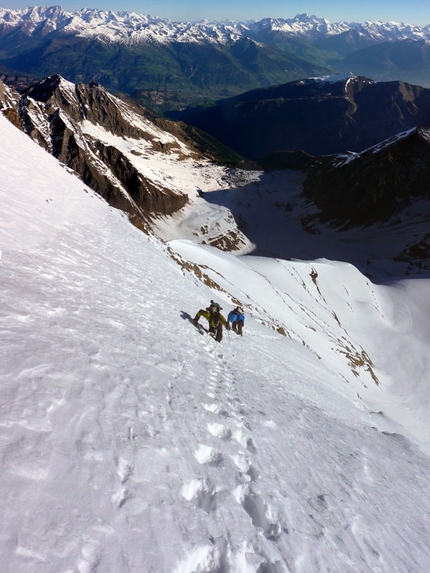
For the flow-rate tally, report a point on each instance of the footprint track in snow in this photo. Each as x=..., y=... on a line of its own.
x=124, y=469
x=262, y=517
x=208, y=455
x=120, y=497
x=219, y=431
x=244, y=440
x=260, y=513
x=242, y=461
x=216, y=409
x=201, y=493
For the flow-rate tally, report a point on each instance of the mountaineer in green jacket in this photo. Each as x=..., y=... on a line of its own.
x=215, y=318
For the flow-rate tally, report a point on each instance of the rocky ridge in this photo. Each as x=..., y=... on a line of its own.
x=106, y=140
x=373, y=186
x=319, y=116
x=83, y=125
x=55, y=112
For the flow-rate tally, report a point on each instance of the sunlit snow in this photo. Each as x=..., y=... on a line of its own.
x=132, y=442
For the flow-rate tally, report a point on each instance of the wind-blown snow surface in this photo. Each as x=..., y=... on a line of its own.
x=130, y=442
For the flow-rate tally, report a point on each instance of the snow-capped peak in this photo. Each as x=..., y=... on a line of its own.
x=130, y=27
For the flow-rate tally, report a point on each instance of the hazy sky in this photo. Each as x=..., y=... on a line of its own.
x=411, y=11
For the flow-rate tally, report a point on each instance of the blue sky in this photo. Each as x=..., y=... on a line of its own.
x=412, y=11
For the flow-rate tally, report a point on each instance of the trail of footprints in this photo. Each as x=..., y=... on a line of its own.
x=229, y=426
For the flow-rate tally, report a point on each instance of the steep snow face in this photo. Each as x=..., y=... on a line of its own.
x=133, y=442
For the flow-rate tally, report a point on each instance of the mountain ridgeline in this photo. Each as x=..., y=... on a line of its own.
x=382, y=127
x=318, y=116
x=170, y=65
x=84, y=126
x=372, y=186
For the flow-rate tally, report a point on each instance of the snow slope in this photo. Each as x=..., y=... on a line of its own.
x=131, y=442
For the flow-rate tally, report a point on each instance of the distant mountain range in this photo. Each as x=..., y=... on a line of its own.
x=168, y=65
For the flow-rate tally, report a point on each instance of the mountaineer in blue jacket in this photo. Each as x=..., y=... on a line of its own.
x=237, y=319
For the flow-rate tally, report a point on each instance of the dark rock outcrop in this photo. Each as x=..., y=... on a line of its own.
x=81, y=101
x=372, y=186
x=52, y=112
x=9, y=104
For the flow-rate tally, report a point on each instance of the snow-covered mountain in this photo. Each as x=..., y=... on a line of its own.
x=168, y=65
x=114, y=26
x=308, y=27
x=130, y=27
x=133, y=442
x=108, y=143
x=375, y=185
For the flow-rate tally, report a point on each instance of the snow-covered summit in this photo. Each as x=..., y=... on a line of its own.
x=302, y=25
